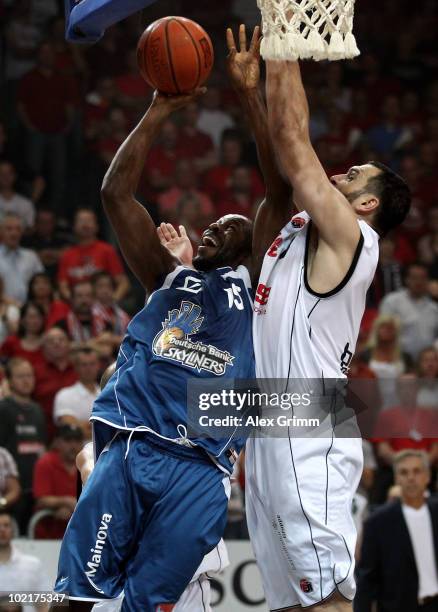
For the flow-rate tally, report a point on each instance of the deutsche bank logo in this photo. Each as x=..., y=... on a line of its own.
x=191, y=284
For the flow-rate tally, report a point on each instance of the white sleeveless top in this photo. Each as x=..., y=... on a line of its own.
x=299, y=333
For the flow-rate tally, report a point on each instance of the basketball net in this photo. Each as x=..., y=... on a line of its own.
x=308, y=29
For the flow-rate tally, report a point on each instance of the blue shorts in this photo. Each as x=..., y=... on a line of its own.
x=143, y=524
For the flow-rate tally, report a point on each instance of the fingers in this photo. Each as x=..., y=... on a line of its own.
x=172, y=231
x=161, y=235
x=254, y=46
x=165, y=230
x=231, y=43
x=242, y=37
x=182, y=231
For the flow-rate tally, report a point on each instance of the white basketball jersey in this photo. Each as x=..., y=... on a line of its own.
x=299, y=333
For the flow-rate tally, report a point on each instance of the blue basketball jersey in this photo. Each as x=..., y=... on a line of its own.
x=196, y=325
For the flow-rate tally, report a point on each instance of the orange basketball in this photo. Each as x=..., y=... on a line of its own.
x=175, y=55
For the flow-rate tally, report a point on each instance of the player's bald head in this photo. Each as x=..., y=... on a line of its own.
x=226, y=242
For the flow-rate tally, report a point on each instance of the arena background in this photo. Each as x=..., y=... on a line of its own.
x=56, y=144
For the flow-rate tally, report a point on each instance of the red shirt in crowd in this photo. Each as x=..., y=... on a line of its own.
x=406, y=428
x=196, y=145
x=51, y=477
x=79, y=263
x=217, y=183
x=58, y=310
x=48, y=381
x=12, y=347
x=132, y=85
x=46, y=100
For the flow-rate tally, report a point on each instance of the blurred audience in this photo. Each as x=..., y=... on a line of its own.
x=72, y=405
x=22, y=431
x=21, y=573
x=26, y=343
x=46, y=112
x=9, y=314
x=417, y=312
x=10, y=489
x=385, y=357
x=17, y=264
x=42, y=293
x=10, y=200
x=55, y=480
x=47, y=241
x=79, y=263
x=53, y=372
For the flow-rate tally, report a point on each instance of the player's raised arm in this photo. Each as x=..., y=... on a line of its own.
x=243, y=67
x=134, y=228
x=288, y=115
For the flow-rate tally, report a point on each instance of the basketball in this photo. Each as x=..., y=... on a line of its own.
x=175, y=55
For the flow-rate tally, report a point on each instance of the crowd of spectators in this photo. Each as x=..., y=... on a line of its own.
x=65, y=295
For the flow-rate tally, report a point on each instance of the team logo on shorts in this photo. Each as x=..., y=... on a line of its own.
x=173, y=342
x=306, y=586
x=165, y=608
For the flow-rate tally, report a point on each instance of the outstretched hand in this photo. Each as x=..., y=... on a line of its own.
x=177, y=243
x=172, y=103
x=243, y=65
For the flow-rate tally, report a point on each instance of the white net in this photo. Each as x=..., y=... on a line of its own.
x=308, y=29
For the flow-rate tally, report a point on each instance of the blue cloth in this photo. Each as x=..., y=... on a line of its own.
x=148, y=514
x=87, y=20
x=197, y=326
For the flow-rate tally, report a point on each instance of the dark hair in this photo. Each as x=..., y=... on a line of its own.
x=100, y=275
x=13, y=363
x=232, y=134
x=21, y=331
x=394, y=195
x=35, y=277
x=414, y=264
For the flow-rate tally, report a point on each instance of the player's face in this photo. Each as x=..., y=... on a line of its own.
x=224, y=243
x=354, y=184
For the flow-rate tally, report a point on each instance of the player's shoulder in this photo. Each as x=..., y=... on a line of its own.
x=370, y=236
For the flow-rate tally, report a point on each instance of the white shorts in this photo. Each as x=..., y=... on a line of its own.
x=299, y=494
x=196, y=598
x=197, y=595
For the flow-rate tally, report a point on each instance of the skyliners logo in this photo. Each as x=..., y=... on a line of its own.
x=95, y=560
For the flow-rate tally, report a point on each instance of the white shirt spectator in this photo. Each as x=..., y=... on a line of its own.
x=213, y=123
x=20, y=206
x=419, y=525
x=418, y=318
x=427, y=396
x=76, y=401
x=17, y=266
x=23, y=573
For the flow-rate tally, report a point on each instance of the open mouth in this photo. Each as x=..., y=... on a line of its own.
x=210, y=241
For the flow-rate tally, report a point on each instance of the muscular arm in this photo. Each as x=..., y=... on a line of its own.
x=275, y=210
x=133, y=226
x=288, y=116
